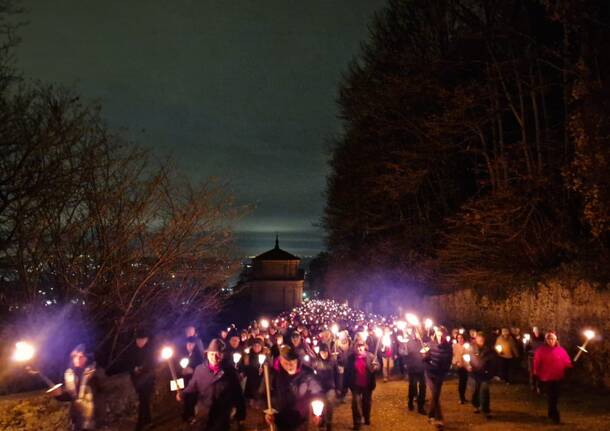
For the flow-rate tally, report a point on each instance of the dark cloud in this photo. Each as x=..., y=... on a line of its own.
x=244, y=90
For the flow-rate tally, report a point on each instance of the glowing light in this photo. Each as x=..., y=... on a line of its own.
x=24, y=351
x=378, y=332
x=247, y=350
x=334, y=329
x=462, y=331
x=264, y=324
x=317, y=406
x=499, y=348
x=261, y=359
x=306, y=358
x=236, y=357
x=401, y=324
x=184, y=362
x=589, y=334
x=316, y=349
x=166, y=353
x=412, y=319
x=466, y=346
x=466, y=357
x=387, y=341
x=428, y=324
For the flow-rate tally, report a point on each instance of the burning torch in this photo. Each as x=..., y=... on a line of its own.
x=166, y=355
x=317, y=406
x=24, y=352
x=589, y=335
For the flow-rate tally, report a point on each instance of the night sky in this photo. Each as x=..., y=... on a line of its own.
x=243, y=90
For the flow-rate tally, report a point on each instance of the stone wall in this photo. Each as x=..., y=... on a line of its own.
x=566, y=307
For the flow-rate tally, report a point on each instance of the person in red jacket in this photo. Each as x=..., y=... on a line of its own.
x=550, y=362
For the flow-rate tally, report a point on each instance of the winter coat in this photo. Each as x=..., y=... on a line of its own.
x=350, y=371
x=81, y=388
x=291, y=396
x=550, y=363
x=415, y=361
x=482, y=361
x=509, y=347
x=142, y=370
x=254, y=375
x=217, y=395
x=326, y=371
x=438, y=359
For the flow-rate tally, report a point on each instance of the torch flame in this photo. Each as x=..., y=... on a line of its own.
x=317, y=406
x=236, y=357
x=428, y=324
x=589, y=334
x=24, y=351
x=334, y=329
x=261, y=358
x=412, y=319
x=166, y=353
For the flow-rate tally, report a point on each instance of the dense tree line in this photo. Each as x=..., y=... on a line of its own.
x=95, y=232
x=475, y=149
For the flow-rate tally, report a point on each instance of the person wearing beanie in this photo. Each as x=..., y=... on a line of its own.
x=193, y=356
x=550, y=364
x=293, y=388
x=218, y=390
x=80, y=388
x=325, y=367
x=142, y=373
x=438, y=361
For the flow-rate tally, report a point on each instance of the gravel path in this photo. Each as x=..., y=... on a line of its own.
x=513, y=408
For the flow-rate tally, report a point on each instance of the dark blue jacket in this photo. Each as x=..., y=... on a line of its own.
x=415, y=360
x=438, y=359
x=291, y=396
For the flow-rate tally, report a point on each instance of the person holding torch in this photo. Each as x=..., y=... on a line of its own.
x=325, y=367
x=81, y=388
x=218, y=390
x=190, y=361
x=438, y=361
x=480, y=362
x=550, y=363
x=292, y=390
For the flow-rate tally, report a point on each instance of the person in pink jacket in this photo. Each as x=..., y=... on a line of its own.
x=550, y=363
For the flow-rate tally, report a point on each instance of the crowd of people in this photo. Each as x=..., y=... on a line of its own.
x=295, y=369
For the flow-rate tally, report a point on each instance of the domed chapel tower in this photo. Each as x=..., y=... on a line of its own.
x=276, y=281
